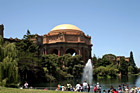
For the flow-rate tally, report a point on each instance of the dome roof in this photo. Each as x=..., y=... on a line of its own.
x=65, y=26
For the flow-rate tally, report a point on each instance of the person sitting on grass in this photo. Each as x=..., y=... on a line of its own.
x=78, y=87
x=69, y=87
x=26, y=85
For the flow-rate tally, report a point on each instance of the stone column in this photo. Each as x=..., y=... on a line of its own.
x=79, y=51
x=59, y=52
x=43, y=52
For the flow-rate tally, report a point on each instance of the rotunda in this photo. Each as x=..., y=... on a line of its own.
x=67, y=38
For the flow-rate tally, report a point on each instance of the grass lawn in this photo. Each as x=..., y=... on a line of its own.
x=15, y=90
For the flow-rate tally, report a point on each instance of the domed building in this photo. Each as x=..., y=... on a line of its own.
x=67, y=38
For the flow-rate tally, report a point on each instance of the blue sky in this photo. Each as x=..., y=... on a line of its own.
x=114, y=25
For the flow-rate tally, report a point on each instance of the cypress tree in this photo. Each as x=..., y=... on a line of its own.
x=94, y=59
x=132, y=64
x=131, y=60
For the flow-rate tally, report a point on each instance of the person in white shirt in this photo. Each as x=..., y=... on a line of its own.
x=26, y=85
x=85, y=85
x=78, y=87
x=63, y=88
x=98, y=87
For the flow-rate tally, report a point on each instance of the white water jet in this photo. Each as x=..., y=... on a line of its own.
x=87, y=75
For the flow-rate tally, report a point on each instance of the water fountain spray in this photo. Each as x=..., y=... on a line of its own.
x=87, y=73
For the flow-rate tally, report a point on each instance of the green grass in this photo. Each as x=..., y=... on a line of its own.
x=15, y=90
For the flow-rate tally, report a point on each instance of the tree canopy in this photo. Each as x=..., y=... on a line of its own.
x=8, y=65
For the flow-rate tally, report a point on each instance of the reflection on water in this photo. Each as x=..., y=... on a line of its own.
x=105, y=83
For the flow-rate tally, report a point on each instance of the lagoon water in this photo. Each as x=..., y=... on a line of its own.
x=105, y=83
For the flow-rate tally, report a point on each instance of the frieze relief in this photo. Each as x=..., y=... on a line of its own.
x=53, y=38
x=72, y=38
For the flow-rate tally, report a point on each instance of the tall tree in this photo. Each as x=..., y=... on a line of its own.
x=28, y=35
x=94, y=59
x=29, y=64
x=8, y=64
x=132, y=64
x=131, y=60
x=123, y=66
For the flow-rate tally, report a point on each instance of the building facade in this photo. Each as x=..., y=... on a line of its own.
x=64, y=39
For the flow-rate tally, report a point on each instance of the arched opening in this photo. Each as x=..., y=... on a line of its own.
x=54, y=51
x=71, y=51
